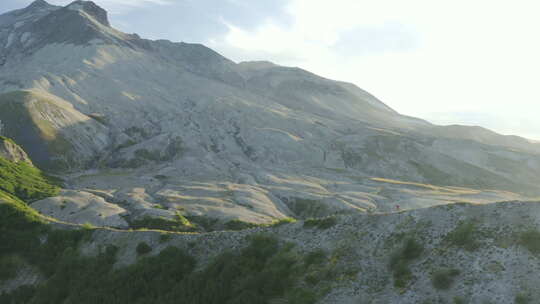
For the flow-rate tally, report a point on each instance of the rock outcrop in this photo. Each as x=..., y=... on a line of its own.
x=11, y=151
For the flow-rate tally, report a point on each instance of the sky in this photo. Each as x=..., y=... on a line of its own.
x=460, y=61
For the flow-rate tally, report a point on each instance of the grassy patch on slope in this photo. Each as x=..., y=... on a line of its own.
x=22, y=230
x=321, y=223
x=465, y=236
x=25, y=181
x=400, y=260
x=444, y=278
x=177, y=224
x=531, y=240
x=237, y=225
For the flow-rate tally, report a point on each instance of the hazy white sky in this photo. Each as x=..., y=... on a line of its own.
x=471, y=62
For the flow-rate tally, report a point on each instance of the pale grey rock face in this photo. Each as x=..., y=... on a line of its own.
x=145, y=109
x=82, y=208
x=11, y=151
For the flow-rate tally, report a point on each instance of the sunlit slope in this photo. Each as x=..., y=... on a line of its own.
x=55, y=135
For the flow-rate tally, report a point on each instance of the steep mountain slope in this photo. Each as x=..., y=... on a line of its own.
x=55, y=134
x=160, y=127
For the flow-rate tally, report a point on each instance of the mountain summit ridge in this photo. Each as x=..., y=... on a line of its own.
x=39, y=4
x=91, y=9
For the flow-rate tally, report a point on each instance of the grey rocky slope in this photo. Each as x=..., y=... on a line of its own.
x=154, y=123
x=460, y=253
x=493, y=250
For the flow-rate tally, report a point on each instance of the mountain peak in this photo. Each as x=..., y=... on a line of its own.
x=91, y=9
x=39, y=4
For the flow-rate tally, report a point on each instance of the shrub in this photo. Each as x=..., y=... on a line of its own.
x=9, y=265
x=164, y=237
x=305, y=208
x=88, y=226
x=147, y=154
x=283, y=221
x=321, y=223
x=531, y=241
x=464, y=236
x=23, y=294
x=239, y=225
x=412, y=250
x=143, y=248
x=203, y=222
x=521, y=299
x=316, y=257
x=444, y=278
x=178, y=224
x=400, y=260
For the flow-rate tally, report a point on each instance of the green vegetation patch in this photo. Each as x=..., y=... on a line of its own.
x=531, y=240
x=444, y=278
x=306, y=208
x=316, y=257
x=149, y=155
x=263, y=272
x=431, y=173
x=321, y=223
x=165, y=237
x=9, y=265
x=22, y=232
x=25, y=235
x=204, y=223
x=178, y=224
x=241, y=225
x=143, y=248
x=522, y=298
x=25, y=181
x=465, y=236
x=400, y=260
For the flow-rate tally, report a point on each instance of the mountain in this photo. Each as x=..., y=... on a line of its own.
x=139, y=171
x=157, y=127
